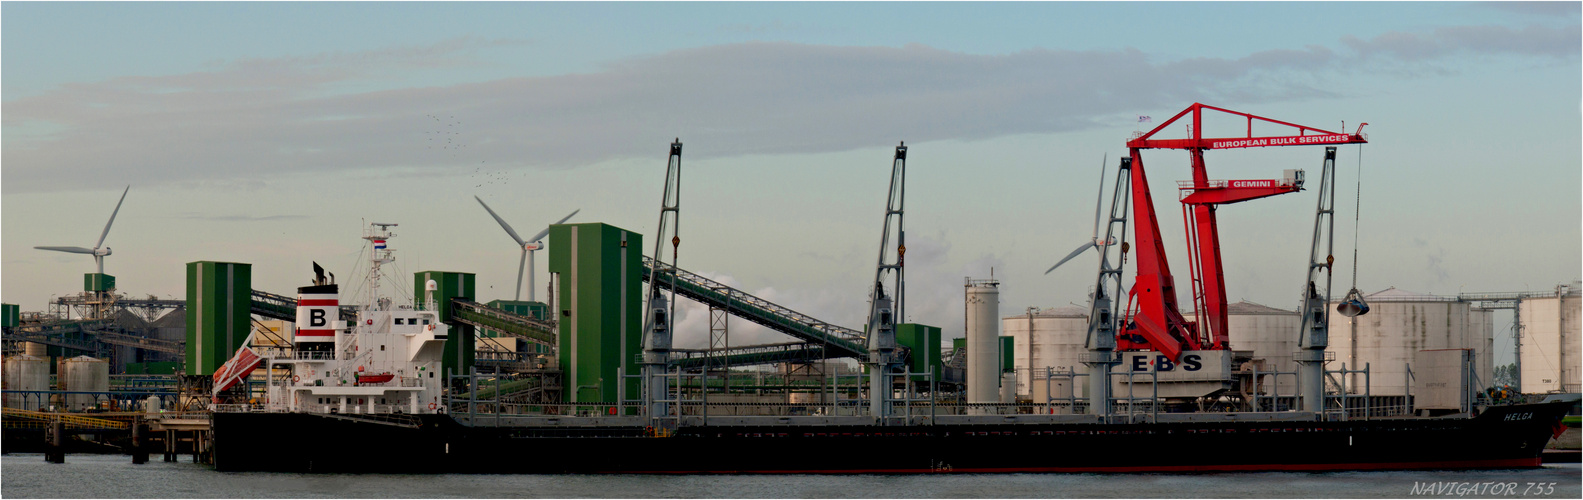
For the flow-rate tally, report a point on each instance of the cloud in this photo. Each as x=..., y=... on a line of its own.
x=1545, y=9
x=262, y=118
x=1412, y=47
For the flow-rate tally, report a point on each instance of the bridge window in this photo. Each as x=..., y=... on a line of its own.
x=398, y=321
x=425, y=322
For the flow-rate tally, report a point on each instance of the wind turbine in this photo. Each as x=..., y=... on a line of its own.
x=99, y=251
x=529, y=246
x=1094, y=241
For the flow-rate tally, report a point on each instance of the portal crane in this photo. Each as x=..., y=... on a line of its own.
x=1157, y=323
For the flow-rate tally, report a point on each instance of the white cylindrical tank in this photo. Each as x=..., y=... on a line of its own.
x=983, y=341
x=1008, y=388
x=1550, y=346
x=87, y=374
x=26, y=373
x=1398, y=326
x=1046, y=339
x=1271, y=334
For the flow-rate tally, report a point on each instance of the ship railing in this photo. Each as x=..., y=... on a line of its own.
x=1060, y=390
x=485, y=410
x=1262, y=389
x=238, y=408
x=313, y=355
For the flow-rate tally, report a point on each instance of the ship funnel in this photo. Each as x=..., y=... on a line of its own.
x=1353, y=305
x=318, y=311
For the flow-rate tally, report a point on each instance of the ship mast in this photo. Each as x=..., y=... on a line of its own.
x=380, y=255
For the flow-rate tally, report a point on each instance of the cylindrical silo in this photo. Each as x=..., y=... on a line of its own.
x=983, y=341
x=26, y=373
x=35, y=349
x=1271, y=334
x=1399, y=325
x=1550, y=346
x=1047, y=339
x=1008, y=387
x=84, y=374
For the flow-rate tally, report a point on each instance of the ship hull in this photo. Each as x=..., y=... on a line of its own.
x=1502, y=437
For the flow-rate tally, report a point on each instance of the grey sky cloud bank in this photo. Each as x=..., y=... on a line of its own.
x=260, y=118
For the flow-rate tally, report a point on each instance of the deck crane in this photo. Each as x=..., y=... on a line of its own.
x=1157, y=323
x=884, y=357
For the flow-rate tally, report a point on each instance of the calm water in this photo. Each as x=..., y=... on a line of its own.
x=114, y=476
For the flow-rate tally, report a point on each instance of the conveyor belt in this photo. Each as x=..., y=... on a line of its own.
x=838, y=342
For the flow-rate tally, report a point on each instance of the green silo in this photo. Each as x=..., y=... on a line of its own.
x=600, y=287
x=219, y=313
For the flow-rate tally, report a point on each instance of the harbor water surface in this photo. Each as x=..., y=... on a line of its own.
x=114, y=476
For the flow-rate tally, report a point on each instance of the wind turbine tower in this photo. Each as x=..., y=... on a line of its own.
x=529, y=246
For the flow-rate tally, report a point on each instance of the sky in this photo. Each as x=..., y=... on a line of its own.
x=270, y=133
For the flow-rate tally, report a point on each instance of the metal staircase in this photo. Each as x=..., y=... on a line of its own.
x=836, y=341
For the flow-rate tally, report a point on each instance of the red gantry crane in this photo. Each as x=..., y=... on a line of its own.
x=1157, y=323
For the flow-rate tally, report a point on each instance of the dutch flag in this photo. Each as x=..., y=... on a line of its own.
x=379, y=244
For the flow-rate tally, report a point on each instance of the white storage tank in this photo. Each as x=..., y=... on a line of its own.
x=87, y=374
x=1271, y=334
x=1046, y=339
x=26, y=373
x=983, y=341
x=1550, y=348
x=1399, y=325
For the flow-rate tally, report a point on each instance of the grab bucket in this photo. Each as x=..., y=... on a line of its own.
x=1353, y=305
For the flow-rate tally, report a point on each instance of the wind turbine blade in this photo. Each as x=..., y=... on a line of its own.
x=1099, y=197
x=1069, y=256
x=520, y=265
x=88, y=251
x=546, y=230
x=502, y=222
x=112, y=218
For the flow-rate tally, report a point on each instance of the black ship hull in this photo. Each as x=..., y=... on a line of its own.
x=1501, y=437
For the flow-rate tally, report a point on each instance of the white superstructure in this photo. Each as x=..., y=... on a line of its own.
x=387, y=360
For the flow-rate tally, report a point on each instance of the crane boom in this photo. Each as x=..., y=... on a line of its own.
x=1158, y=323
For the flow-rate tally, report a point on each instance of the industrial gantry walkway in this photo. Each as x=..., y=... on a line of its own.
x=819, y=339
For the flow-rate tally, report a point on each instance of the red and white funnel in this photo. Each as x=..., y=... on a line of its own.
x=318, y=314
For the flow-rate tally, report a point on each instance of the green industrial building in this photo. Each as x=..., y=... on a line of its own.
x=459, y=342
x=12, y=314
x=98, y=282
x=923, y=342
x=599, y=283
x=219, y=312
